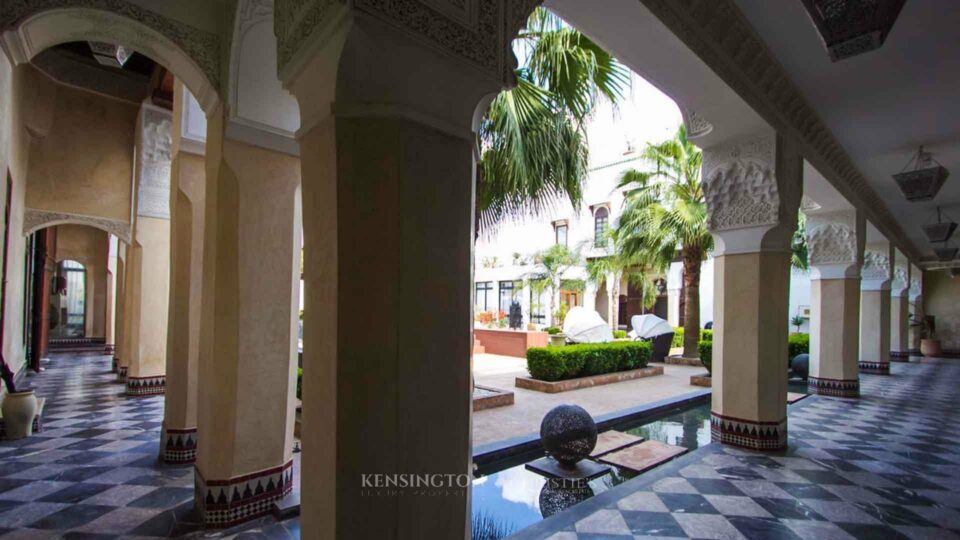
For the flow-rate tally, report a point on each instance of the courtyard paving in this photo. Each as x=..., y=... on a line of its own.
x=524, y=416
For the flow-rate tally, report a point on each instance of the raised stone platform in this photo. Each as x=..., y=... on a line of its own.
x=644, y=456
x=488, y=397
x=609, y=441
x=586, y=470
x=553, y=387
x=704, y=380
x=679, y=360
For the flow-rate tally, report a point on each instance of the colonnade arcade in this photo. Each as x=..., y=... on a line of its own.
x=378, y=167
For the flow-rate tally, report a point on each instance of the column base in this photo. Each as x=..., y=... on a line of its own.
x=121, y=374
x=146, y=386
x=178, y=445
x=225, y=503
x=899, y=356
x=846, y=388
x=108, y=349
x=749, y=434
x=875, y=368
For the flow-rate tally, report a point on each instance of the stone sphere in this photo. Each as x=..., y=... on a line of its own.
x=568, y=434
x=800, y=365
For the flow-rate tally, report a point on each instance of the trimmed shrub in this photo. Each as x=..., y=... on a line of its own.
x=798, y=344
x=553, y=330
x=619, y=334
x=705, y=335
x=299, y=382
x=706, y=354
x=572, y=361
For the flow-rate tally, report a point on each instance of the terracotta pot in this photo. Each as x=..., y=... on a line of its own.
x=930, y=347
x=19, y=410
x=558, y=339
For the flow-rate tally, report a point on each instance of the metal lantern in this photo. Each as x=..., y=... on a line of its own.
x=923, y=181
x=852, y=27
x=941, y=230
x=946, y=253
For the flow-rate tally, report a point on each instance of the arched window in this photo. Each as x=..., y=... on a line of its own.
x=601, y=220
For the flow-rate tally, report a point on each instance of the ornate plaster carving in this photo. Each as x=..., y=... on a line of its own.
x=295, y=21
x=808, y=205
x=34, y=220
x=723, y=38
x=832, y=243
x=876, y=266
x=153, y=192
x=900, y=280
x=696, y=125
x=202, y=47
x=915, y=287
x=740, y=184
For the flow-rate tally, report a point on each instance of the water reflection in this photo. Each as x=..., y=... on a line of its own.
x=515, y=498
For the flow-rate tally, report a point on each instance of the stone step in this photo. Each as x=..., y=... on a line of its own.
x=644, y=456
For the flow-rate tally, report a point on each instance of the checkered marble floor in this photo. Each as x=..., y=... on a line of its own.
x=92, y=473
x=886, y=466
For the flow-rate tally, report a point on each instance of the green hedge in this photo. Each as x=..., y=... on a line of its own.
x=299, y=382
x=705, y=335
x=798, y=344
x=706, y=354
x=572, y=361
x=619, y=334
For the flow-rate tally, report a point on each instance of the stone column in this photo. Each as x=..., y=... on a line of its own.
x=110, y=333
x=122, y=327
x=835, y=242
x=752, y=188
x=875, y=309
x=178, y=439
x=915, y=295
x=148, y=264
x=900, y=310
x=388, y=190
x=248, y=328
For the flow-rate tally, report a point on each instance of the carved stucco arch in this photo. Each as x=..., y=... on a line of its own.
x=31, y=26
x=34, y=220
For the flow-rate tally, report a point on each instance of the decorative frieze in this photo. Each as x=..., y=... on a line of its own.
x=875, y=368
x=178, y=445
x=153, y=192
x=122, y=374
x=224, y=503
x=695, y=124
x=915, y=288
x=899, y=356
x=748, y=433
x=146, y=386
x=876, y=266
x=739, y=184
x=901, y=281
x=845, y=388
x=832, y=243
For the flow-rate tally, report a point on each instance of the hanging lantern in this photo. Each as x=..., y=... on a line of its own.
x=925, y=179
x=852, y=27
x=941, y=230
x=945, y=253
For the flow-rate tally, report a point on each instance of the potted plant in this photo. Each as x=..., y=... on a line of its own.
x=19, y=407
x=929, y=344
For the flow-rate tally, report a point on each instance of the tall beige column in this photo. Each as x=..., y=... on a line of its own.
x=752, y=187
x=915, y=295
x=121, y=327
x=248, y=322
x=875, y=309
x=900, y=310
x=835, y=242
x=178, y=438
x=148, y=264
x=388, y=187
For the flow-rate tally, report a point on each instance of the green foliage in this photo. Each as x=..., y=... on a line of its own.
x=572, y=361
x=553, y=330
x=534, y=145
x=797, y=321
x=299, y=383
x=798, y=344
x=577, y=285
x=561, y=314
x=705, y=335
x=706, y=354
x=798, y=245
x=619, y=334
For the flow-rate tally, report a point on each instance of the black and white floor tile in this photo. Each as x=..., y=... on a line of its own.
x=93, y=473
x=885, y=466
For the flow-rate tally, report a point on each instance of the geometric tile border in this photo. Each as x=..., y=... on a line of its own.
x=899, y=356
x=845, y=388
x=748, y=433
x=121, y=374
x=178, y=445
x=225, y=503
x=875, y=368
x=146, y=386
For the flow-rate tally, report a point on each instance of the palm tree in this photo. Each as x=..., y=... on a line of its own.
x=533, y=141
x=611, y=268
x=798, y=245
x=554, y=262
x=664, y=211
